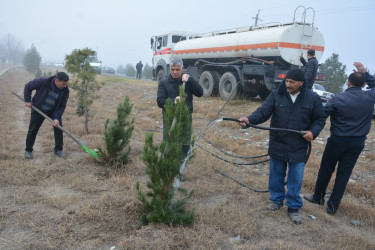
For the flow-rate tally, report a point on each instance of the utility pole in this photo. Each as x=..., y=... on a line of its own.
x=9, y=49
x=256, y=18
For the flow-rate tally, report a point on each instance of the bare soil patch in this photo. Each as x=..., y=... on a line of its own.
x=76, y=203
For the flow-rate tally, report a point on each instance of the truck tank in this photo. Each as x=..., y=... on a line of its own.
x=286, y=41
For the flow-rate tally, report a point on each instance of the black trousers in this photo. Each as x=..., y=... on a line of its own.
x=139, y=74
x=345, y=151
x=36, y=120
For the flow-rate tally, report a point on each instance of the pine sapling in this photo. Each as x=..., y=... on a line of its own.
x=117, y=135
x=163, y=166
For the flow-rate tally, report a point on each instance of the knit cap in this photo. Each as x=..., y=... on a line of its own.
x=296, y=75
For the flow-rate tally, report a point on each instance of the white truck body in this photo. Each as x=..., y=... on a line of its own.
x=255, y=57
x=286, y=41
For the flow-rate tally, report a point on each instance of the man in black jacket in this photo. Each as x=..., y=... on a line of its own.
x=351, y=113
x=50, y=97
x=311, y=67
x=139, y=67
x=292, y=106
x=169, y=88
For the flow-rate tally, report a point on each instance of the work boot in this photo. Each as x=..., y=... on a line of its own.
x=311, y=199
x=295, y=216
x=59, y=153
x=331, y=210
x=274, y=206
x=28, y=154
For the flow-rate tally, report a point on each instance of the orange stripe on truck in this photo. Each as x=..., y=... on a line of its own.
x=163, y=52
x=251, y=46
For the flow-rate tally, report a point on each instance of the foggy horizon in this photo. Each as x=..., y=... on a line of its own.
x=120, y=31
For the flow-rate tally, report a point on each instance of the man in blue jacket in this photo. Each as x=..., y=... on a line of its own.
x=292, y=106
x=50, y=97
x=310, y=67
x=351, y=113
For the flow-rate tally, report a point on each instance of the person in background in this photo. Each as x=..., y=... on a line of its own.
x=139, y=67
x=51, y=97
x=158, y=45
x=291, y=106
x=350, y=113
x=310, y=67
x=169, y=88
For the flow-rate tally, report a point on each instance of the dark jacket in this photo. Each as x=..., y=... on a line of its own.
x=311, y=67
x=139, y=66
x=305, y=114
x=42, y=86
x=351, y=111
x=169, y=88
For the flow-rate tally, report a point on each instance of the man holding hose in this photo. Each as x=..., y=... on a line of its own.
x=292, y=106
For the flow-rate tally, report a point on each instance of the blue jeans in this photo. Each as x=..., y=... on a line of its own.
x=294, y=183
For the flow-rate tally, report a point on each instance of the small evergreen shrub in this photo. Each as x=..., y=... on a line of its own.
x=117, y=135
x=163, y=166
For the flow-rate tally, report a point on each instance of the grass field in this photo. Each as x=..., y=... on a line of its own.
x=76, y=203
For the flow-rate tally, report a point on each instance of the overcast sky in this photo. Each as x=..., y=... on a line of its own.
x=121, y=29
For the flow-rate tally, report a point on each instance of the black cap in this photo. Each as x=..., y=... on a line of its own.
x=296, y=75
x=311, y=52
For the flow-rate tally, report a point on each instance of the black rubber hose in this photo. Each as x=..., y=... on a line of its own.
x=308, y=153
x=264, y=128
x=232, y=155
x=242, y=184
x=274, y=129
x=229, y=161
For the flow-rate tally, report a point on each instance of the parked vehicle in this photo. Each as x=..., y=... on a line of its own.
x=95, y=63
x=59, y=65
x=320, y=90
x=108, y=70
x=255, y=57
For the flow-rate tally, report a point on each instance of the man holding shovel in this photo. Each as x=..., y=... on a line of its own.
x=51, y=97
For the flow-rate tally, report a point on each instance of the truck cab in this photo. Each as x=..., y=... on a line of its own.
x=162, y=47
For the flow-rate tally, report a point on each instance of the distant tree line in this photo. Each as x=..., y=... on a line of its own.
x=130, y=71
x=12, y=51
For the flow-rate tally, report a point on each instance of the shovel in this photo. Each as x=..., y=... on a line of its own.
x=90, y=151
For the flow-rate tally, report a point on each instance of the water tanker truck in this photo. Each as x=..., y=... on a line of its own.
x=255, y=57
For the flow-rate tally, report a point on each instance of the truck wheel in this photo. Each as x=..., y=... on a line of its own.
x=160, y=75
x=227, y=85
x=263, y=93
x=206, y=80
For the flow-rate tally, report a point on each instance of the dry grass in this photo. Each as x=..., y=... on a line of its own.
x=76, y=203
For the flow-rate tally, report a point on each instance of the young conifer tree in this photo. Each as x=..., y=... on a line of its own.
x=84, y=81
x=163, y=166
x=117, y=136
